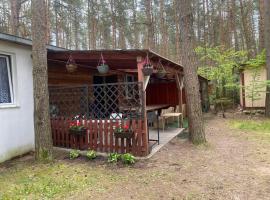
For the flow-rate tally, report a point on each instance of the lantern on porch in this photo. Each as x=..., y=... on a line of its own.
x=71, y=65
x=102, y=67
x=161, y=72
x=147, y=69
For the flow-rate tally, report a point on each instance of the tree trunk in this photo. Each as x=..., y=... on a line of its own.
x=76, y=28
x=204, y=24
x=164, y=35
x=261, y=25
x=195, y=118
x=48, y=24
x=209, y=34
x=199, y=32
x=14, y=17
x=43, y=139
x=150, y=25
x=89, y=24
x=247, y=27
x=223, y=32
x=177, y=30
x=113, y=24
x=56, y=23
x=233, y=23
x=121, y=25
x=93, y=26
x=135, y=25
x=267, y=46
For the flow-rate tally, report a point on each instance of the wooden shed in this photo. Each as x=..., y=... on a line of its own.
x=247, y=77
x=102, y=101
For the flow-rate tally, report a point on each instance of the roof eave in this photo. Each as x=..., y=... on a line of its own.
x=23, y=41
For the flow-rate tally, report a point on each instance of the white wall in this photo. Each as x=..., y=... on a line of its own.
x=248, y=80
x=16, y=121
x=241, y=91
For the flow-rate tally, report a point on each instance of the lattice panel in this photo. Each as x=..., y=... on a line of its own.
x=102, y=101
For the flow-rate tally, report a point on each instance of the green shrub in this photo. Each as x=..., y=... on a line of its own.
x=128, y=159
x=224, y=102
x=114, y=157
x=74, y=154
x=91, y=154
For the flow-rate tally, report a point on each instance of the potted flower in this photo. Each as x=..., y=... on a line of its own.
x=71, y=65
x=102, y=67
x=161, y=73
x=76, y=128
x=123, y=132
x=147, y=69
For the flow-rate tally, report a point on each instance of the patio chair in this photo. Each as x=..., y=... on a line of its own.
x=171, y=112
x=151, y=118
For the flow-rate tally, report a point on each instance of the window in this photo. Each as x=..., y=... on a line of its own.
x=6, y=88
x=129, y=88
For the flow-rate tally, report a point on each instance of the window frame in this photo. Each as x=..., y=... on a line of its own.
x=11, y=77
x=127, y=92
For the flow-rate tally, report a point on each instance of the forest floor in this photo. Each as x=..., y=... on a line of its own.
x=234, y=164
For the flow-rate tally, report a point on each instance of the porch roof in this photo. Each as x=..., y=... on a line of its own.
x=117, y=59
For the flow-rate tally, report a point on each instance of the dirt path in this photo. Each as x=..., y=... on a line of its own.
x=229, y=167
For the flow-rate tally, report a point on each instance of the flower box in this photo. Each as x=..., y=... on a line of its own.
x=76, y=128
x=124, y=134
x=78, y=132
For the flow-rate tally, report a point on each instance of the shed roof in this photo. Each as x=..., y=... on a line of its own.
x=24, y=41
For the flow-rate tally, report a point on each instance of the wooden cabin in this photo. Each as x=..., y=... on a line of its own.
x=124, y=95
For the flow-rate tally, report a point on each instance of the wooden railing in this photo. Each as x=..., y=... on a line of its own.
x=100, y=136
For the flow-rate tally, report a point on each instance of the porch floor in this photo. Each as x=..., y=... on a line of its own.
x=165, y=137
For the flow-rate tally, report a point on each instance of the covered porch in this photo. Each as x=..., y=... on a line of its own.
x=122, y=96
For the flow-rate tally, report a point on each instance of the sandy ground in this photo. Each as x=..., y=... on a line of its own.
x=230, y=166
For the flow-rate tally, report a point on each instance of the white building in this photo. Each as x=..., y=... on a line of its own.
x=16, y=96
x=246, y=78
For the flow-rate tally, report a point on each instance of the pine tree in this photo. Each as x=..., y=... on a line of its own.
x=195, y=118
x=42, y=126
x=267, y=46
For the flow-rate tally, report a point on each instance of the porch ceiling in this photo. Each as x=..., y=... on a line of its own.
x=116, y=59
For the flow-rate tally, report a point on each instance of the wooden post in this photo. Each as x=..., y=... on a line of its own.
x=179, y=84
x=140, y=63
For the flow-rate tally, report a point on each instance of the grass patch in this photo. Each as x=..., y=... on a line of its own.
x=260, y=129
x=252, y=125
x=48, y=181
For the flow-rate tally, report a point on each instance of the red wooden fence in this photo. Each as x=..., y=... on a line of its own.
x=100, y=136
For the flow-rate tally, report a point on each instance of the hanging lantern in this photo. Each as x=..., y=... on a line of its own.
x=161, y=72
x=71, y=65
x=102, y=67
x=147, y=69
